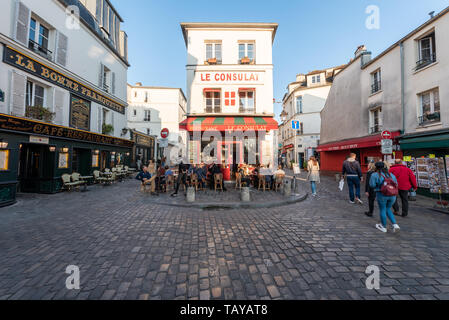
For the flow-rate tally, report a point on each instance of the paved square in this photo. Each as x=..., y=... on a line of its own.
x=129, y=246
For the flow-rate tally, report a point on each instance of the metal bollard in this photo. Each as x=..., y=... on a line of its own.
x=244, y=195
x=287, y=188
x=190, y=194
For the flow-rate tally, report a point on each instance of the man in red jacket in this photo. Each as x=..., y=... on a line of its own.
x=406, y=181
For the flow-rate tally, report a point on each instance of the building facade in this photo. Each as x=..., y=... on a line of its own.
x=230, y=88
x=152, y=109
x=303, y=104
x=63, y=80
x=403, y=90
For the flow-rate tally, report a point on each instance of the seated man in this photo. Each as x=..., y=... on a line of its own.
x=146, y=179
x=279, y=172
x=168, y=171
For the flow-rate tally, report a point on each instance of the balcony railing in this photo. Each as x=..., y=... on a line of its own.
x=246, y=110
x=36, y=47
x=213, y=109
x=376, y=87
x=375, y=129
x=429, y=118
x=39, y=113
x=147, y=119
x=426, y=61
x=106, y=87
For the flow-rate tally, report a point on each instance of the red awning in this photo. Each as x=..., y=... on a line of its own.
x=229, y=123
x=358, y=143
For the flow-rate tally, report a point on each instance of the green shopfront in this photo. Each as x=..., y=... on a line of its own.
x=34, y=155
x=429, y=154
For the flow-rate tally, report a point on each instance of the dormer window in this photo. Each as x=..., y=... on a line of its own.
x=213, y=53
x=316, y=79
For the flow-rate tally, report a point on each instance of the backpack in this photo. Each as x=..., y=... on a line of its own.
x=389, y=188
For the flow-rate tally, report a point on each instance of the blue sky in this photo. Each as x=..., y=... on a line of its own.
x=312, y=34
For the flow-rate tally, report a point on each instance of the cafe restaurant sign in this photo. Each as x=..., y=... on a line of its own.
x=31, y=127
x=20, y=61
x=231, y=77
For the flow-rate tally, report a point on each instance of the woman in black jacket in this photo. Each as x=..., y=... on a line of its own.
x=370, y=193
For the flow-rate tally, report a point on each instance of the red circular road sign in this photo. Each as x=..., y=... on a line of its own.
x=386, y=135
x=165, y=133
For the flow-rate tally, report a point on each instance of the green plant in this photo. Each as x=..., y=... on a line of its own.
x=107, y=128
x=39, y=113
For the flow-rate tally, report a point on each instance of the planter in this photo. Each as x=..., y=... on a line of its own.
x=212, y=61
x=39, y=113
x=107, y=129
x=245, y=61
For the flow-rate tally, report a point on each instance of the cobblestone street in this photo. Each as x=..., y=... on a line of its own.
x=130, y=246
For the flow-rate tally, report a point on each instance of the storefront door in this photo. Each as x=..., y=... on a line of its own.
x=36, y=166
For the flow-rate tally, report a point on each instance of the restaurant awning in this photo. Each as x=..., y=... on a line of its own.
x=229, y=123
x=358, y=143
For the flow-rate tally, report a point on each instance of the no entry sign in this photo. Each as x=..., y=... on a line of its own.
x=164, y=133
x=386, y=135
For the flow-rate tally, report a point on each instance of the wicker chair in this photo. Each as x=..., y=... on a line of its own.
x=218, y=181
x=278, y=182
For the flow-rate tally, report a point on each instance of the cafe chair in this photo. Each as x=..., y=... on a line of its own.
x=218, y=181
x=194, y=181
x=278, y=182
x=263, y=183
x=238, y=181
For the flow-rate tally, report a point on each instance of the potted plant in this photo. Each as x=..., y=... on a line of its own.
x=39, y=113
x=107, y=129
x=245, y=60
x=212, y=60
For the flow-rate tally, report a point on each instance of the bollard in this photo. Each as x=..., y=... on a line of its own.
x=190, y=194
x=287, y=188
x=244, y=195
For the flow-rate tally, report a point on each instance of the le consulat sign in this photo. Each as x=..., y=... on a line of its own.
x=22, y=62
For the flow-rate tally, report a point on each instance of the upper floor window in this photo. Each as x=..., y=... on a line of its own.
x=426, y=51
x=316, y=79
x=376, y=84
x=213, y=53
x=376, y=120
x=299, y=104
x=147, y=117
x=213, y=100
x=146, y=96
x=429, y=106
x=35, y=95
x=247, y=100
x=106, y=80
x=134, y=113
x=39, y=38
x=246, y=53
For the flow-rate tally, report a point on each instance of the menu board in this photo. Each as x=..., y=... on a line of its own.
x=4, y=155
x=79, y=113
x=95, y=161
x=63, y=162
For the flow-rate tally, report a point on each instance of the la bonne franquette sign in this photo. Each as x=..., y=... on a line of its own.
x=229, y=77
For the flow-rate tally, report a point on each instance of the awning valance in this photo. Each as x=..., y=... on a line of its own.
x=357, y=143
x=228, y=123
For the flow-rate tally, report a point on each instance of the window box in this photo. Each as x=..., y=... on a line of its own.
x=245, y=60
x=107, y=129
x=429, y=118
x=39, y=113
x=212, y=61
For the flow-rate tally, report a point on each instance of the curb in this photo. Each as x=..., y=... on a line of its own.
x=239, y=205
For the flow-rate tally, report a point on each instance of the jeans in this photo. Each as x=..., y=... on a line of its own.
x=385, y=203
x=404, y=199
x=313, y=185
x=371, y=200
x=354, y=182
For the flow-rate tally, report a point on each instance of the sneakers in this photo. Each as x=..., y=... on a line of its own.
x=369, y=214
x=381, y=228
x=351, y=202
x=359, y=201
x=396, y=228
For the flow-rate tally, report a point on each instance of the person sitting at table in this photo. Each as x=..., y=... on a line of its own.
x=146, y=179
x=160, y=180
x=168, y=171
x=201, y=172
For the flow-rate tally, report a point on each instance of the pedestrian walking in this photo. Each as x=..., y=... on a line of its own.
x=353, y=173
x=370, y=193
x=406, y=182
x=386, y=186
x=313, y=175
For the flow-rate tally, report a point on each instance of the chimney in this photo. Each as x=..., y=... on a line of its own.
x=300, y=78
x=432, y=14
x=138, y=84
x=359, y=50
x=366, y=57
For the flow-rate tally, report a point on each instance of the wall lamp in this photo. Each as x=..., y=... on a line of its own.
x=52, y=149
x=3, y=144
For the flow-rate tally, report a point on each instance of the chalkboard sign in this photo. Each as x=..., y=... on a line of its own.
x=79, y=113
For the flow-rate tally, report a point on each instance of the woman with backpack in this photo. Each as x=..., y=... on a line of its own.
x=313, y=175
x=386, y=187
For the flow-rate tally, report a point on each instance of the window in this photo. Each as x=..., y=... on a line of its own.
x=299, y=104
x=105, y=15
x=134, y=112
x=4, y=159
x=376, y=120
x=213, y=101
x=429, y=107
x=376, y=84
x=105, y=116
x=146, y=96
x=148, y=131
x=316, y=79
x=35, y=95
x=230, y=99
x=213, y=53
x=106, y=73
x=247, y=102
x=39, y=37
x=426, y=51
x=147, y=117
x=246, y=53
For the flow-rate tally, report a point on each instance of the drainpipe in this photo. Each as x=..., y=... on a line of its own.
x=401, y=45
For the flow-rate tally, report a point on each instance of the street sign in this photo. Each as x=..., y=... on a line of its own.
x=386, y=135
x=387, y=143
x=296, y=125
x=165, y=133
x=163, y=143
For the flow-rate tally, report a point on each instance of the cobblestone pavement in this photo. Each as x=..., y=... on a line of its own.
x=130, y=247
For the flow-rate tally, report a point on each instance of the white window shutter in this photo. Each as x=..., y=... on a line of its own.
x=59, y=106
x=112, y=121
x=62, y=43
x=113, y=83
x=49, y=99
x=100, y=79
x=100, y=127
x=18, y=88
x=22, y=23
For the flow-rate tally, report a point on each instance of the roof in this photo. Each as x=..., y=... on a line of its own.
x=156, y=87
x=227, y=25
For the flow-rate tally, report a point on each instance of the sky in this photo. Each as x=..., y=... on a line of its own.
x=312, y=34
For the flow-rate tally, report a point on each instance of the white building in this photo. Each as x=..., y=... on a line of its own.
x=64, y=63
x=302, y=104
x=152, y=109
x=230, y=82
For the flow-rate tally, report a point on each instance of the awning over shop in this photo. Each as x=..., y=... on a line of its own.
x=358, y=143
x=228, y=123
x=425, y=141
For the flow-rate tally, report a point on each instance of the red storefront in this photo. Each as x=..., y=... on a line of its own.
x=332, y=155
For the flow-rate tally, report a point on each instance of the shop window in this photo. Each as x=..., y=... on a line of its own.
x=376, y=120
x=213, y=101
x=429, y=107
x=213, y=53
x=376, y=84
x=426, y=51
x=4, y=160
x=247, y=100
x=246, y=53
